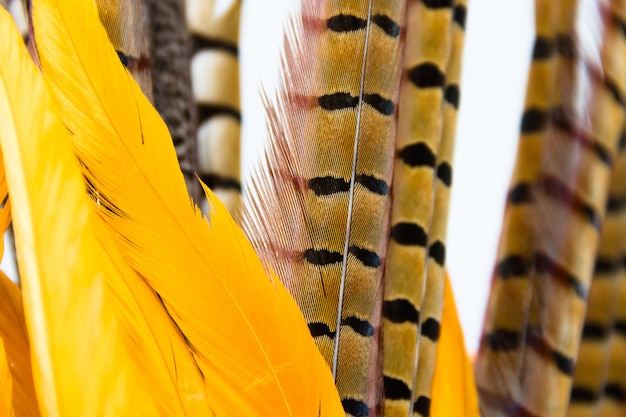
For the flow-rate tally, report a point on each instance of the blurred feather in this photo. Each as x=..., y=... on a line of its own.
x=200, y=272
x=6, y=386
x=570, y=129
x=214, y=30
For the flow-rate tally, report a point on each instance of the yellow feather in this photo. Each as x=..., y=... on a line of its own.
x=454, y=391
x=80, y=366
x=6, y=388
x=13, y=332
x=247, y=336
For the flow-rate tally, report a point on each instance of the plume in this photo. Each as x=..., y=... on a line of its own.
x=16, y=350
x=6, y=388
x=198, y=271
x=214, y=32
x=414, y=273
x=592, y=389
x=569, y=133
x=326, y=180
x=62, y=280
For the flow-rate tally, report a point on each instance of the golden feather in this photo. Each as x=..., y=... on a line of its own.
x=198, y=271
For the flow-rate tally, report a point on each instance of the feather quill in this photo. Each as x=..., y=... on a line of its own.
x=208, y=277
x=326, y=180
x=570, y=129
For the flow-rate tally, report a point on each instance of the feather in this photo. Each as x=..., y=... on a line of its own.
x=173, y=97
x=600, y=330
x=16, y=349
x=6, y=388
x=571, y=125
x=208, y=277
x=214, y=31
x=326, y=180
x=124, y=23
x=419, y=205
x=453, y=390
x=65, y=300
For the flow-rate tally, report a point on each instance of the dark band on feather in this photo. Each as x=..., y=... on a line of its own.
x=615, y=204
x=373, y=184
x=199, y=43
x=322, y=257
x=427, y=75
x=438, y=4
x=400, y=311
x=583, y=395
x=596, y=331
x=328, y=185
x=362, y=327
x=132, y=63
x=437, y=252
x=459, y=16
x=615, y=391
x=387, y=24
x=339, y=101
x=395, y=389
x=206, y=111
x=342, y=23
x=453, y=95
x=566, y=46
x=214, y=181
x=522, y=193
x=418, y=155
x=444, y=173
x=534, y=120
x=544, y=48
x=320, y=329
x=409, y=234
x=422, y=406
x=345, y=23
x=515, y=266
x=431, y=329
x=357, y=408
x=605, y=266
x=620, y=327
x=508, y=340
x=366, y=257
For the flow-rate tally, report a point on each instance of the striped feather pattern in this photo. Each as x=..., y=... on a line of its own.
x=589, y=389
x=570, y=129
x=214, y=65
x=432, y=304
x=326, y=182
x=426, y=58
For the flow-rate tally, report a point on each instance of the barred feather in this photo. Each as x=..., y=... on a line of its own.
x=570, y=129
x=326, y=181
